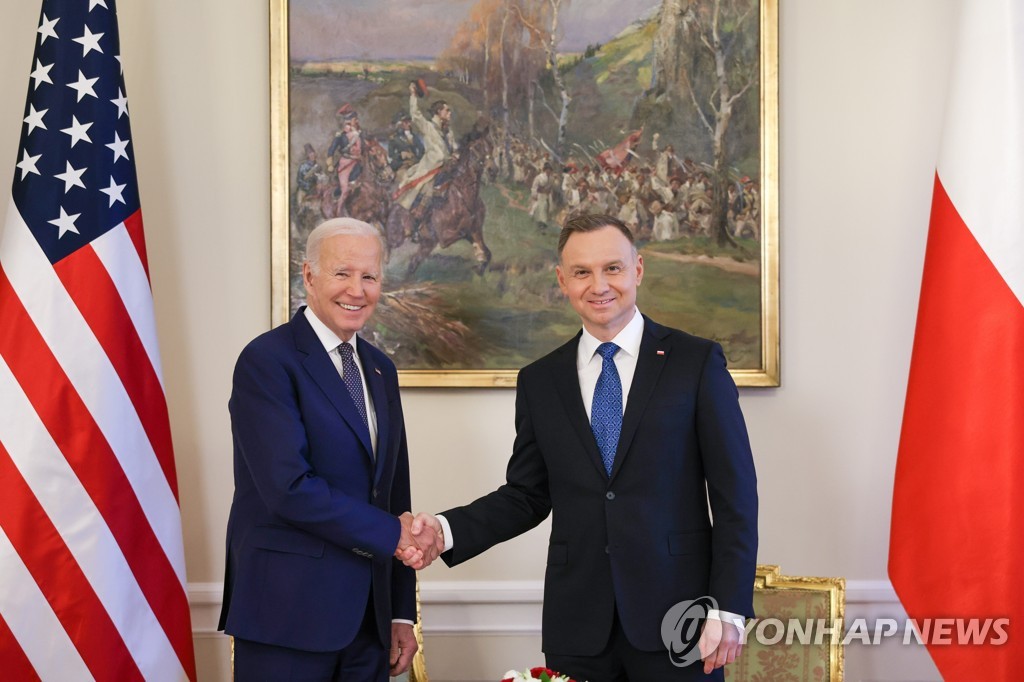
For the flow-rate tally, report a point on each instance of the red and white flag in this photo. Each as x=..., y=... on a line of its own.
x=957, y=543
x=616, y=158
x=92, y=571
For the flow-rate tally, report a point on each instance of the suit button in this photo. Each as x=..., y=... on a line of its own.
x=607, y=549
x=610, y=495
x=375, y=493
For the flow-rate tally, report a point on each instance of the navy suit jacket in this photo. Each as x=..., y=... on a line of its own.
x=312, y=525
x=640, y=540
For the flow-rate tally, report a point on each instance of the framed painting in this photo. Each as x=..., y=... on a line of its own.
x=467, y=131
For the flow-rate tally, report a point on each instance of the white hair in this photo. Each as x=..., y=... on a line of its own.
x=333, y=228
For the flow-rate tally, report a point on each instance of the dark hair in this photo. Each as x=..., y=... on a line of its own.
x=589, y=222
x=437, y=106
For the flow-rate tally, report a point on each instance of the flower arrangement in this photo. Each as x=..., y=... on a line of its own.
x=535, y=675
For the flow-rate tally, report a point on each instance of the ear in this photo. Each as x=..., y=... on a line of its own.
x=307, y=276
x=639, y=269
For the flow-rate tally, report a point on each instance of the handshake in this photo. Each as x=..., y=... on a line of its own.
x=422, y=540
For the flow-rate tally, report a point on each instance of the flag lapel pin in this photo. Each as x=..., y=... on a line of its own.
x=659, y=352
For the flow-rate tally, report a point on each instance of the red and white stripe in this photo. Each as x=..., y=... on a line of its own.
x=91, y=556
x=957, y=540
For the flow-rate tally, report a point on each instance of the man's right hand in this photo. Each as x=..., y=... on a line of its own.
x=421, y=542
x=720, y=644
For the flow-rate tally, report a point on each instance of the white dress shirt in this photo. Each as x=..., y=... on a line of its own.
x=331, y=342
x=589, y=362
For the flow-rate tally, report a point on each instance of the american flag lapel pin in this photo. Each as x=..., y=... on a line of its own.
x=377, y=370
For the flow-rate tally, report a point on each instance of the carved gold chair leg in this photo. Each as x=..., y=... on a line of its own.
x=418, y=669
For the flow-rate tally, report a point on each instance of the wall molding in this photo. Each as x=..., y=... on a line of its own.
x=508, y=607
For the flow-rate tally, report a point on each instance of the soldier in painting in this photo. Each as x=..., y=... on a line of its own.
x=307, y=177
x=540, y=197
x=346, y=151
x=405, y=147
x=438, y=146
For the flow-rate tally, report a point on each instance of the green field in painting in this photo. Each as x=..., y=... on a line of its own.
x=515, y=313
x=707, y=301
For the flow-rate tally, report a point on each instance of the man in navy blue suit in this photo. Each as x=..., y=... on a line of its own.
x=625, y=435
x=312, y=588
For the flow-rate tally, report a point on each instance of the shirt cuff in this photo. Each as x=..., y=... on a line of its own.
x=727, y=617
x=449, y=542
x=403, y=620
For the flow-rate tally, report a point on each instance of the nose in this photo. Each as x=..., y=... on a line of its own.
x=600, y=282
x=355, y=287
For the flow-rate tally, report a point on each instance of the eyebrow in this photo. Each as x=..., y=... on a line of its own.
x=588, y=267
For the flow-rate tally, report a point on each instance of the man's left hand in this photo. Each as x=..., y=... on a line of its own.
x=719, y=644
x=403, y=647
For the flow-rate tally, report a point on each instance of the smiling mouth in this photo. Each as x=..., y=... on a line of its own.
x=353, y=308
x=603, y=301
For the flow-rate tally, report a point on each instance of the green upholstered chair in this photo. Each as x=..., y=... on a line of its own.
x=803, y=599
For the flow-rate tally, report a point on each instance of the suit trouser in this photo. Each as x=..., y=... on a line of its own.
x=364, y=659
x=620, y=661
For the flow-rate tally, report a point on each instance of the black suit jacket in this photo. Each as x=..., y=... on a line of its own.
x=640, y=540
x=312, y=525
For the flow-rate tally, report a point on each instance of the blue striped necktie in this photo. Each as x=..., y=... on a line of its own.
x=606, y=410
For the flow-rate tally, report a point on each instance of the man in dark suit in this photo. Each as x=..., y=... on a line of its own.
x=405, y=147
x=625, y=434
x=312, y=590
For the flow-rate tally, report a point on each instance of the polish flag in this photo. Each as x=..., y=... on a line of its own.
x=957, y=543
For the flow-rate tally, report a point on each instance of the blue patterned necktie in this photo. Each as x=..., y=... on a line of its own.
x=350, y=375
x=606, y=410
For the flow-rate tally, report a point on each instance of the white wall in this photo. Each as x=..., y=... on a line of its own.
x=862, y=86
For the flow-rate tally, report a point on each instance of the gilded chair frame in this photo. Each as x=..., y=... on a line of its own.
x=769, y=577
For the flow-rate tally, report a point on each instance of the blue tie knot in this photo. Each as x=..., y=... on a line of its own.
x=607, y=350
x=346, y=352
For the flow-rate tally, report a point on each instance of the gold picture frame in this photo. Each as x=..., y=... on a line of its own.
x=762, y=364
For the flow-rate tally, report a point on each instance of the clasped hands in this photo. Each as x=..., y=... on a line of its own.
x=422, y=540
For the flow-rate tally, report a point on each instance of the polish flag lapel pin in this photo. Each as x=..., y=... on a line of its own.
x=659, y=352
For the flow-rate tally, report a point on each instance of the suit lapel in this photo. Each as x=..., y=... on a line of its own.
x=375, y=382
x=649, y=364
x=322, y=371
x=567, y=381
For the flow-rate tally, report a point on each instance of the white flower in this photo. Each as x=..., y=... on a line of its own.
x=525, y=676
x=517, y=676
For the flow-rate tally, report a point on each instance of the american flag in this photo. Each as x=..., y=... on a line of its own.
x=92, y=571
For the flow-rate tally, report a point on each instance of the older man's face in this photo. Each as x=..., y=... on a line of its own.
x=343, y=293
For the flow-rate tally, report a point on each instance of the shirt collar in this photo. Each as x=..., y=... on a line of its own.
x=628, y=340
x=329, y=339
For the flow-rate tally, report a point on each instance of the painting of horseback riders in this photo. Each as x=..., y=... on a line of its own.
x=467, y=131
